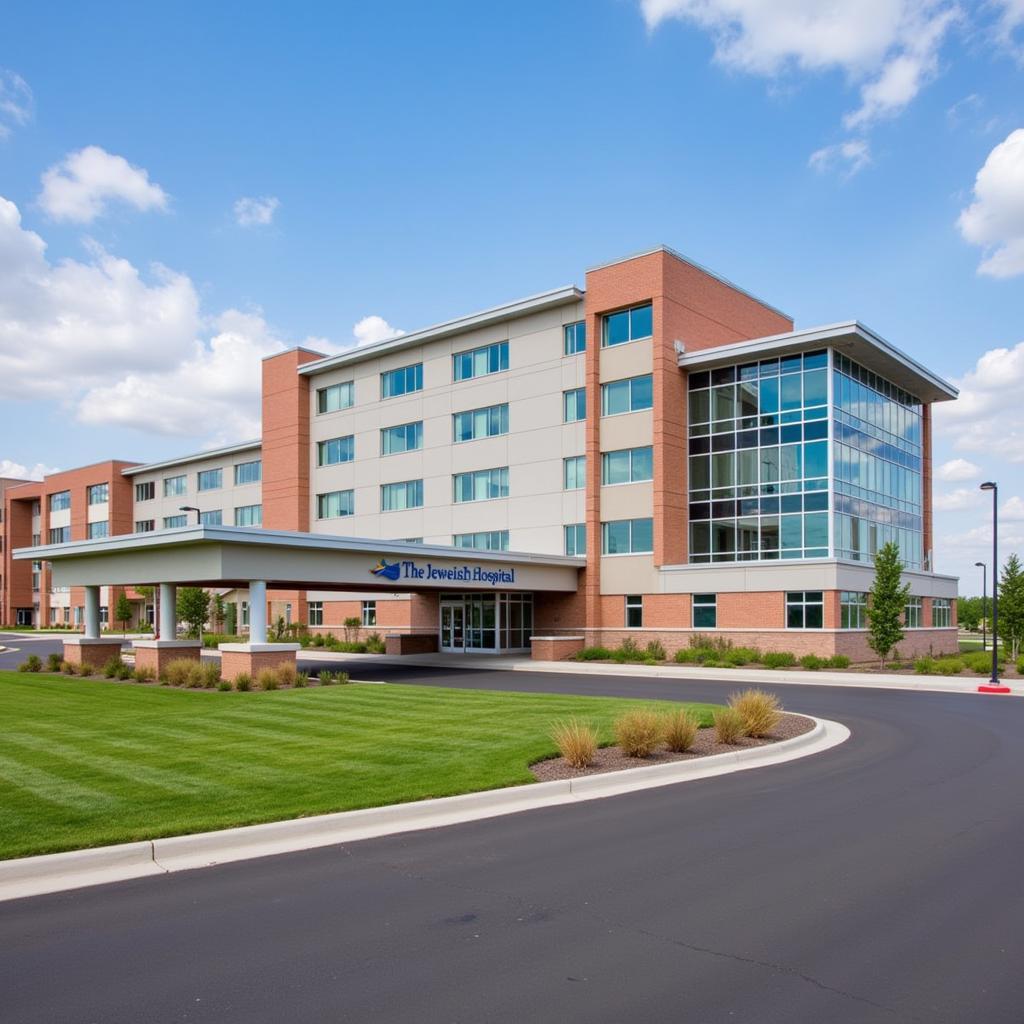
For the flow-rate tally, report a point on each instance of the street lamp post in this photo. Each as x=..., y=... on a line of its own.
x=984, y=604
x=994, y=685
x=190, y=508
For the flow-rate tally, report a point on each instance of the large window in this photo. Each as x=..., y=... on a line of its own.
x=335, y=504
x=758, y=466
x=369, y=613
x=97, y=494
x=406, y=494
x=96, y=531
x=336, y=397
x=403, y=381
x=805, y=609
x=60, y=501
x=146, y=491
x=335, y=451
x=316, y=613
x=249, y=515
x=145, y=525
x=705, y=611
x=60, y=534
x=575, y=340
x=574, y=405
x=487, y=540
x=175, y=486
x=574, y=472
x=478, y=362
x=627, y=466
x=634, y=611
x=476, y=423
x=210, y=479
x=249, y=472
x=912, y=616
x=212, y=517
x=627, y=325
x=407, y=437
x=942, y=612
x=174, y=522
x=629, y=395
x=576, y=539
x=853, y=609
x=481, y=485
x=627, y=537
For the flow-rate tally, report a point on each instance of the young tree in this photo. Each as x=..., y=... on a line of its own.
x=1011, y=606
x=231, y=618
x=123, y=611
x=887, y=602
x=217, y=611
x=968, y=612
x=193, y=607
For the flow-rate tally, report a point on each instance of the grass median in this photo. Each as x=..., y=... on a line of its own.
x=87, y=763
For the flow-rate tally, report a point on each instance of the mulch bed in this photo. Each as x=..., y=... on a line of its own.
x=612, y=759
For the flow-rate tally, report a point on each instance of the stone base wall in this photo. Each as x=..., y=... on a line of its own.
x=158, y=658
x=233, y=663
x=555, y=648
x=95, y=654
x=411, y=643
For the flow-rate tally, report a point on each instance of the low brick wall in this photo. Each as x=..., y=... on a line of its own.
x=411, y=643
x=94, y=653
x=555, y=648
x=234, y=663
x=158, y=658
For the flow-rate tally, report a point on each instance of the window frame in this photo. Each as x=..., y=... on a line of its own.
x=606, y=532
x=386, y=432
x=93, y=531
x=576, y=395
x=145, y=525
x=853, y=609
x=634, y=611
x=346, y=448
x=92, y=490
x=315, y=611
x=322, y=503
x=629, y=311
x=576, y=467
x=470, y=354
x=145, y=491
x=631, y=454
x=175, y=522
x=217, y=474
x=417, y=486
x=913, y=612
x=701, y=603
x=346, y=387
x=174, y=492
x=501, y=535
x=473, y=474
x=368, y=613
x=574, y=338
x=244, y=465
x=212, y=517
x=804, y=604
x=244, y=508
x=500, y=411
x=416, y=369
x=631, y=383
x=578, y=530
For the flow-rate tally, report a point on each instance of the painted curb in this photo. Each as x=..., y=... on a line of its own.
x=57, y=872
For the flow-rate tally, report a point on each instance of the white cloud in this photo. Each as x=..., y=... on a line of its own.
x=16, y=103
x=1011, y=18
x=995, y=219
x=251, y=211
x=80, y=186
x=372, y=329
x=854, y=155
x=956, y=470
x=1012, y=509
x=954, y=501
x=20, y=472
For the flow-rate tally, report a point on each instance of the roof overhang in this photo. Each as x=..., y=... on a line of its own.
x=851, y=338
x=213, y=453
x=232, y=556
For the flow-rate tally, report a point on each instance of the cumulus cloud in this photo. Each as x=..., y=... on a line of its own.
x=16, y=102
x=255, y=211
x=954, y=501
x=20, y=472
x=1012, y=509
x=372, y=329
x=995, y=219
x=853, y=156
x=79, y=188
x=1011, y=18
x=956, y=470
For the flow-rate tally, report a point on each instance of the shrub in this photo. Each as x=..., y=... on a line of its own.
x=680, y=729
x=267, y=679
x=980, y=662
x=655, y=650
x=742, y=656
x=576, y=741
x=729, y=726
x=839, y=661
x=178, y=671
x=209, y=672
x=318, y=640
x=593, y=654
x=760, y=712
x=31, y=664
x=53, y=662
x=342, y=679
x=195, y=680
x=124, y=672
x=1020, y=666
x=687, y=655
x=949, y=666
x=287, y=673
x=243, y=682
x=348, y=647
x=627, y=652
x=326, y=677
x=812, y=662
x=638, y=732
x=68, y=669
x=375, y=644
x=113, y=666
x=925, y=666
x=224, y=684
x=778, y=659
x=144, y=673
x=301, y=680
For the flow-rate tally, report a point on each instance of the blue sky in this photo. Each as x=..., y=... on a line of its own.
x=408, y=162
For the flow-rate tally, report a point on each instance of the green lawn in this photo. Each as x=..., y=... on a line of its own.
x=86, y=763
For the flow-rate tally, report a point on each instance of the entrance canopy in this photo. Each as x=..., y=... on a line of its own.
x=233, y=556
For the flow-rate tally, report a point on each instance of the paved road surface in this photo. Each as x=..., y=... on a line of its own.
x=880, y=881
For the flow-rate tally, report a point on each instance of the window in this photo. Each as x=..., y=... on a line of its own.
x=576, y=539
x=478, y=362
x=316, y=613
x=60, y=501
x=60, y=535
x=476, y=423
x=174, y=486
x=634, y=611
x=249, y=515
x=627, y=395
x=245, y=613
x=335, y=398
x=574, y=405
x=79, y=615
x=173, y=522
x=406, y=494
x=210, y=479
x=145, y=525
x=369, y=615
x=335, y=504
x=912, y=616
x=146, y=491
x=403, y=381
x=627, y=466
x=408, y=437
x=215, y=517
x=96, y=531
x=574, y=472
x=575, y=338
x=335, y=451
x=37, y=539
x=705, y=611
x=35, y=508
x=805, y=609
x=481, y=485
x=487, y=540
x=249, y=472
x=942, y=612
x=37, y=570
x=97, y=494
x=627, y=537
x=628, y=325
x=853, y=609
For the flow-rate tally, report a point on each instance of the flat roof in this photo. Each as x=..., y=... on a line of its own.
x=852, y=338
x=213, y=453
x=496, y=314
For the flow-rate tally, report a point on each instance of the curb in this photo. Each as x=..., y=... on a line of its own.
x=56, y=872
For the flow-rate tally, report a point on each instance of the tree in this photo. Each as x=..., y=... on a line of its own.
x=231, y=618
x=887, y=602
x=193, y=607
x=217, y=611
x=968, y=612
x=123, y=611
x=1011, y=606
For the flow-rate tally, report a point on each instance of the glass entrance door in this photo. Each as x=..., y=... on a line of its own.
x=453, y=627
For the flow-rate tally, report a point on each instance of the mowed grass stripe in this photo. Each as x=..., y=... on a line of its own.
x=91, y=763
